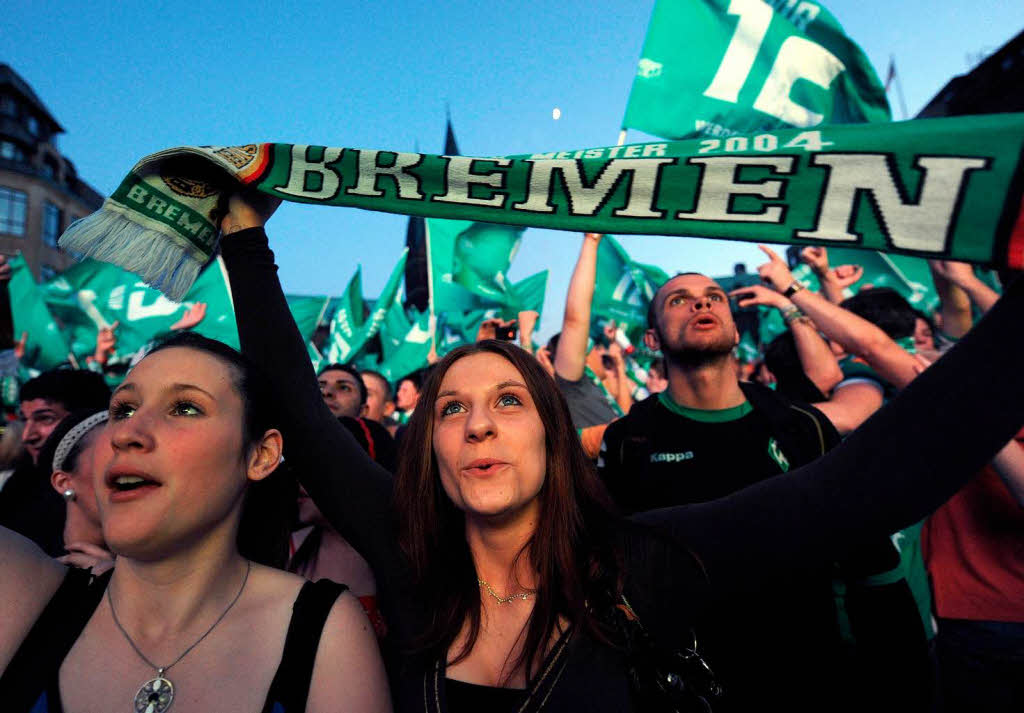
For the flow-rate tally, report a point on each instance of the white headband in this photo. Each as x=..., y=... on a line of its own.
x=73, y=436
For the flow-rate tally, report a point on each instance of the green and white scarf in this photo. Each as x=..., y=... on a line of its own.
x=941, y=188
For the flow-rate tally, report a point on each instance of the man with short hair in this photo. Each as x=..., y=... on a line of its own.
x=345, y=395
x=378, y=396
x=708, y=435
x=343, y=389
x=28, y=503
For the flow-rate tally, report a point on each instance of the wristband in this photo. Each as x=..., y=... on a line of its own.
x=794, y=287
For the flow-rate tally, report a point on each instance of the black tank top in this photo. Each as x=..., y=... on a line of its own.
x=30, y=683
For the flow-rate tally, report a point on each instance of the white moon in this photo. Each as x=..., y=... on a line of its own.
x=556, y=113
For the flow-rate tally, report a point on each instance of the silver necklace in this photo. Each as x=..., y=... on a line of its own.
x=502, y=600
x=157, y=694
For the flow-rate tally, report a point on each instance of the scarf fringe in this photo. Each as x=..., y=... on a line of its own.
x=155, y=257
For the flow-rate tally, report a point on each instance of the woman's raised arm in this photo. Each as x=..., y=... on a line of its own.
x=352, y=491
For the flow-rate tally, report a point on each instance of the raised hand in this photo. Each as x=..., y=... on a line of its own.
x=759, y=295
x=775, y=273
x=958, y=273
x=193, y=316
x=845, y=275
x=248, y=209
x=816, y=258
x=106, y=343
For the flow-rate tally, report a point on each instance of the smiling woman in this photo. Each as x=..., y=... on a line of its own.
x=189, y=500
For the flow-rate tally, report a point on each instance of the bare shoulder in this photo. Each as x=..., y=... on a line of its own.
x=348, y=663
x=275, y=589
x=28, y=579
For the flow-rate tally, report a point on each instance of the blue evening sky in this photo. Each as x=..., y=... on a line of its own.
x=126, y=79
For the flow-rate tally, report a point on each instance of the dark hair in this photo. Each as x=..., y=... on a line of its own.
x=572, y=548
x=348, y=369
x=885, y=308
x=652, y=310
x=267, y=510
x=378, y=375
x=783, y=361
x=553, y=345
x=73, y=388
x=658, y=367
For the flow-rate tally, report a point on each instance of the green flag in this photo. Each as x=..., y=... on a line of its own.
x=468, y=261
x=727, y=67
x=348, y=337
x=623, y=288
x=46, y=346
x=309, y=312
x=347, y=321
x=92, y=294
x=469, y=282
x=409, y=350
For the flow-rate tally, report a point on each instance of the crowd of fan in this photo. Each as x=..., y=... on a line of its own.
x=936, y=608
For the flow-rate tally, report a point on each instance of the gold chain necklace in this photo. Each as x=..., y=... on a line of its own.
x=502, y=600
x=157, y=694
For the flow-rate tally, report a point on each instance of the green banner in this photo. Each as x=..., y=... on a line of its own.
x=45, y=346
x=91, y=295
x=943, y=188
x=727, y=67
x=623, y=288
x=468, y=277
x=309, y=312
x=349, y=332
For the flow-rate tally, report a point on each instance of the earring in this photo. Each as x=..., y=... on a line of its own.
x=69, y=495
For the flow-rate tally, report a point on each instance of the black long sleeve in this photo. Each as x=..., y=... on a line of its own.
x=352, y=491
x=899, y=466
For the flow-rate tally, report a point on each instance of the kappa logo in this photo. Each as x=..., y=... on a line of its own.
x=671, y=457
x=648, y=68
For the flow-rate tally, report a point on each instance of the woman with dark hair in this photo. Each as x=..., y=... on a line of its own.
x=508, y=582
x=190, y=502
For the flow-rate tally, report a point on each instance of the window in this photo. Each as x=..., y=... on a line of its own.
x=13, y=206
x=47, y=272
x=32, y=124
x=11, y=151
x=8, y=107
x=51, y=223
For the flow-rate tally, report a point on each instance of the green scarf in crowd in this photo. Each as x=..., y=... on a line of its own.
x=940, y=188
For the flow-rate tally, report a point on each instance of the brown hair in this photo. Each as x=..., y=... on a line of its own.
x=573, y=549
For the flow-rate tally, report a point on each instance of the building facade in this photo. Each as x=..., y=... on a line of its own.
x=40, y=191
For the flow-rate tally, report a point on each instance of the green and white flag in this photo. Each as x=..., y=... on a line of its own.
x=349, y=334
x=723, y=68
x=941, y=188
x=409, y=350
x=347, y=321
x=468, y=277
x=46, y=347
x=623, y=288
x=91, y=295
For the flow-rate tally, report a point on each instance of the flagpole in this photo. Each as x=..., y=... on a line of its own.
x=430, y=286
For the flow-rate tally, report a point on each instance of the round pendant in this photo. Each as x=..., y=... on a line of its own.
x=155, y=696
